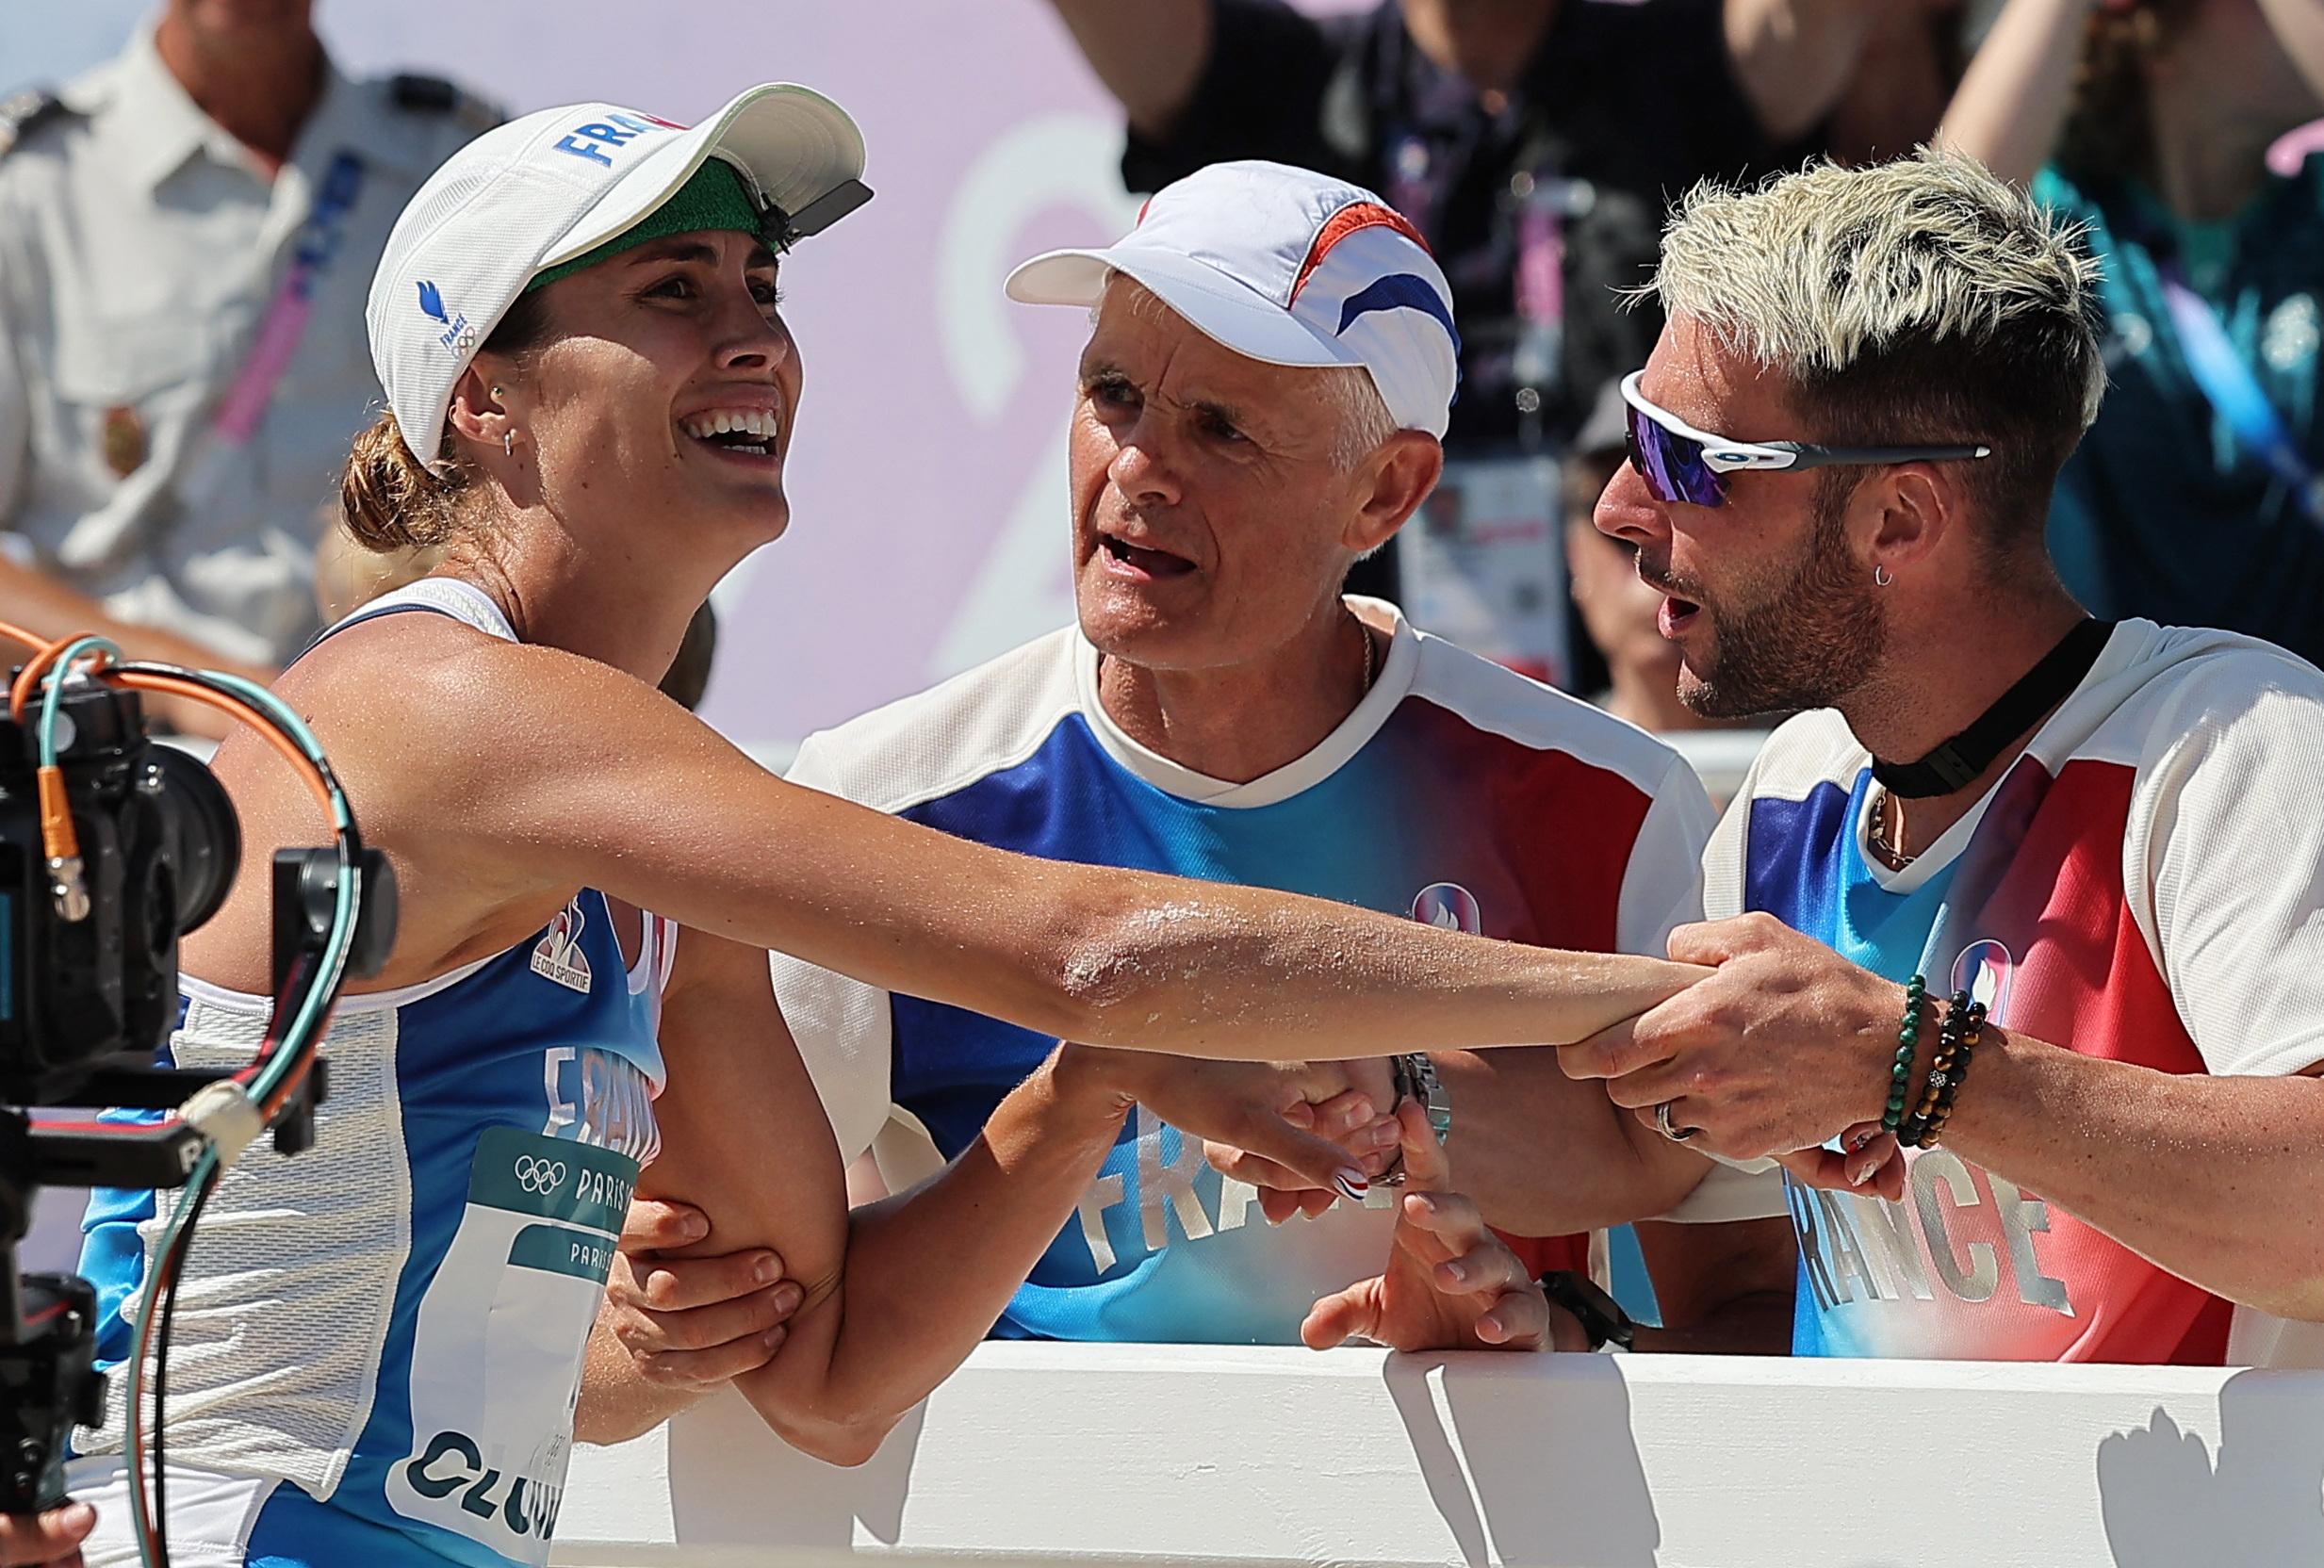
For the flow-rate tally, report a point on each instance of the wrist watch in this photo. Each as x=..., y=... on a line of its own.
x=1601, y=1316
x=1416, y=1079
x=1413, y=1077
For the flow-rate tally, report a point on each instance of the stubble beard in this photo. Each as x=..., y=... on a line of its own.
x=1808, y=642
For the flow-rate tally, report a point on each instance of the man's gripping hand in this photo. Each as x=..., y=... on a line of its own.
x=51, y=1540
x=691, y=1323
x=1785, y=1047
x=1450, y=1283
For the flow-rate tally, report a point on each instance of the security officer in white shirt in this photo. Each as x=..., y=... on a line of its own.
x=186, y=236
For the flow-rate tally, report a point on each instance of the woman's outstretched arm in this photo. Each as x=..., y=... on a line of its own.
x=626, y=791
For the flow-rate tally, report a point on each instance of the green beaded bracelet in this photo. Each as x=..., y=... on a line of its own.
x=1908, y=1042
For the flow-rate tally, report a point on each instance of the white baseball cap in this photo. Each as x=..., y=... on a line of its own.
x=555, y=185
x=1287, y=267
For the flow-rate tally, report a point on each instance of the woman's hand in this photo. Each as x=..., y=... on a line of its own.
x=1313, y=1130
x=1351, y=1111
x=51, y=1540
x=1450, y=1283
x=692, y=1324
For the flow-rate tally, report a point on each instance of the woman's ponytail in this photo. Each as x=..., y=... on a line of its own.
x=388, y=499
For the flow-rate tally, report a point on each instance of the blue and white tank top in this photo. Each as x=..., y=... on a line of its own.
x=378, y=1344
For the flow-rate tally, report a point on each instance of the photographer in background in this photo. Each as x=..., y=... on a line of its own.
x=51, y=1540
x=2198, y=498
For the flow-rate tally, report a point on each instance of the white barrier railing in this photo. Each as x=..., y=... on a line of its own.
x=1161, y=1455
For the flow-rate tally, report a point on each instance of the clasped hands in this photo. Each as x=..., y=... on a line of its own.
x=1306, y=1132
x=1777, y=1052
x=1781, y=1049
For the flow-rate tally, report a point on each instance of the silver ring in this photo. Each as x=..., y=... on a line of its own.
x=1661, y=1125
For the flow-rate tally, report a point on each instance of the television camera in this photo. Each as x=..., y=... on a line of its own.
x=112, y=846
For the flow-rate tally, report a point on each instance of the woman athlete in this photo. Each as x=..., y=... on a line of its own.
x=592, y=394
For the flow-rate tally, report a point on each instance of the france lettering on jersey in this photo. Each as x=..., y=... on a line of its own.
x=2141, y=886
x=1456, y=789
x=378, y=1344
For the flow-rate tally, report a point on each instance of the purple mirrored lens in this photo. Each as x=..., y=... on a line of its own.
x=1672, y=465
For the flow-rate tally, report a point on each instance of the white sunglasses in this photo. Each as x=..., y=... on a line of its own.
x=1682, y=464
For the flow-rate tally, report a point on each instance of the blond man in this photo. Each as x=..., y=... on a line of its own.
x=2101, y=836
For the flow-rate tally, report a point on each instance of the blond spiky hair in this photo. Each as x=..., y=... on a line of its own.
x=1924, y=300
x=1812, y=271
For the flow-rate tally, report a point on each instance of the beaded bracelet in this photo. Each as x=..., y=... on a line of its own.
x=1908, y=1041
x=1972, y=1030
x=1962, y=1017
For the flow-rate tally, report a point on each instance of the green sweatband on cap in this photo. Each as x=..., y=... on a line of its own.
x=715, y=198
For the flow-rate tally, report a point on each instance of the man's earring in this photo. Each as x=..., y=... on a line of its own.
x=508, y=443
x=1881, y=578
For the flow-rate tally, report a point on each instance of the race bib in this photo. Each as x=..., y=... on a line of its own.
x=497, y=1352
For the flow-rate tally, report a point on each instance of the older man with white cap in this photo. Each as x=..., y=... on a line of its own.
x=1267, y=374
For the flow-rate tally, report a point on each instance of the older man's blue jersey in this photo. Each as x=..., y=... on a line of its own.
x=1457, y=791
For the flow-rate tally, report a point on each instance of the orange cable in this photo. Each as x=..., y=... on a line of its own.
x=177, y=686
x=29, y=678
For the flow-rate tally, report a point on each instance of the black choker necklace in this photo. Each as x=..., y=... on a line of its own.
x=1954, y=764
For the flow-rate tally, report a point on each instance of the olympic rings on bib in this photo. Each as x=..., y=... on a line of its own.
x=538, y=1175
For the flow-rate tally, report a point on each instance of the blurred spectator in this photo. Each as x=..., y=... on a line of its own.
x=348, y=576
x=185, y=237
x=1904, y=77
x=1536, y=143
x=2196, y=498
x=1618, y=610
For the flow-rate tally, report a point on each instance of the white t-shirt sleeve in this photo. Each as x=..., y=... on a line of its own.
x=843, y=1028
x=2231, y=838
x=1662, y=884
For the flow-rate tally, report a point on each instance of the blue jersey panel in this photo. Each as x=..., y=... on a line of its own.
x=1802, y=865
x=522, y=1091
x=1427, y=802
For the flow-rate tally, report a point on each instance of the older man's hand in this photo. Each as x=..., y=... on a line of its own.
x=1450, y=1283
x=693, y=1323
x=1784, y=1049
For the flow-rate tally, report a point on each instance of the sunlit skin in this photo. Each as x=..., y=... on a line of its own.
x=1758, y=560
x=1793, y=569
x=638, y=345
x=1769, y=598
x=635, y=346
x=657, y=335
x=1212, y=530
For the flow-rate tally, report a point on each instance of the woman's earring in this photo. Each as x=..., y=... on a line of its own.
x=1881, y=578
x=508, y=443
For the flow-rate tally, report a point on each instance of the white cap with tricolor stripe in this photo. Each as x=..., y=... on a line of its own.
x=1285, y=266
